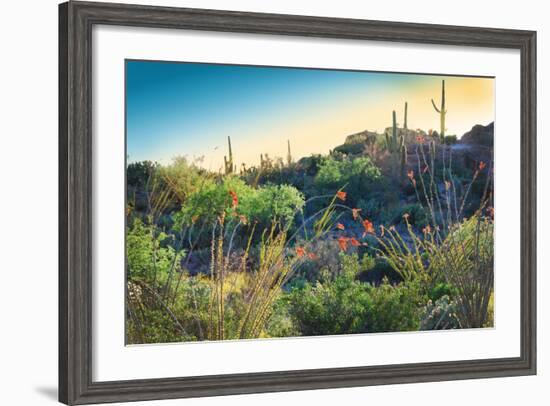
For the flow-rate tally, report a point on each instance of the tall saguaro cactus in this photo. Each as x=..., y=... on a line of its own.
x=442, y=111
x=394, y=133
x=229, y=166
x=405, y=118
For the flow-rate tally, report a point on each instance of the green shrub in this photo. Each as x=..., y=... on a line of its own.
x=358, y=175
x=418, y=216
x=138, y=173
x=394, y=308
x=344, y=305
x=262, y=205
x=332, y=307
x=149, y=257
x=450, y=139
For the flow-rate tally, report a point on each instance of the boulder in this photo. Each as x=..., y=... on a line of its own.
x=479, y=135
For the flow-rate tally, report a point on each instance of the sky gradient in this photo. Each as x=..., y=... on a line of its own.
x=188, y=109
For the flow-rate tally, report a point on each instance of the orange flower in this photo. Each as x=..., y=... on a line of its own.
x=235, y=199
x=343, y=243
x=311, y=255
x=369, y=228
x=491, y=211
x=420, y=139
x=410, y=175
x=340, y=226
x=355, y=213
x=482, y=165
x=341, y=195
x=300, y=252
x=427, y=229
x=354, y=242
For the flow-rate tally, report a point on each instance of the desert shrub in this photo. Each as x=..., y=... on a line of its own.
x=149, y=256
x=465, y=258
x=280, y=323
x=379, y=271
x=337, y=306
x=450, y=140
x=440, y=315
x=183, y=177
x=341, y=304
x=155, y=315
x=263, y=205
x=359, y=176
x=418, y=216
x=138, y=173
x=441, y=289
x=394, y=307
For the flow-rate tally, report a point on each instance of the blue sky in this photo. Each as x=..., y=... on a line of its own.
x=190, y=109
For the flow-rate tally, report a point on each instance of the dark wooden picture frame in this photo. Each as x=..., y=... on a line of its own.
x=76, y=20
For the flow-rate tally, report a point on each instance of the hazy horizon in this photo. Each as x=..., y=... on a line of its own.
x=189, y=109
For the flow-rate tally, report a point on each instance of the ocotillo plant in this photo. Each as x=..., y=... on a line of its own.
x=229, y=166
x=441, y=110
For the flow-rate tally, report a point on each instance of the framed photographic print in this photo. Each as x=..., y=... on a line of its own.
x=257, y=202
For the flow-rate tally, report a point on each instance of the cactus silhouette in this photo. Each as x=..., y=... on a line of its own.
x=394, y=133
x=441, y=110
x=229, y=166
x=403, y=160
x=405, y=118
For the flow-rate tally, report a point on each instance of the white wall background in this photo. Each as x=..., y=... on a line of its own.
x=28, y=201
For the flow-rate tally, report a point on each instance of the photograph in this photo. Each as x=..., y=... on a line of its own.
x=265, y=202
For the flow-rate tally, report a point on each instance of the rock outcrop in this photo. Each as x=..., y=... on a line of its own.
x=479, y=135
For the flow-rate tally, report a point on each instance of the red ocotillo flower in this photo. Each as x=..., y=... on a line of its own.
x=234, y=198
x=369, y=228
x=343, y=243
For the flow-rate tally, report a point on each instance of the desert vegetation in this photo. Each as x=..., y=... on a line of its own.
x=388, y=232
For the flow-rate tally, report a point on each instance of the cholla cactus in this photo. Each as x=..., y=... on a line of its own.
x=440, y=315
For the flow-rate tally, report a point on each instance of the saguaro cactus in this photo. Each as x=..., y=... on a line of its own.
x=394, y=133
x=229, y=166
x=403, y=160
x=405, y=118
x=441, y=110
